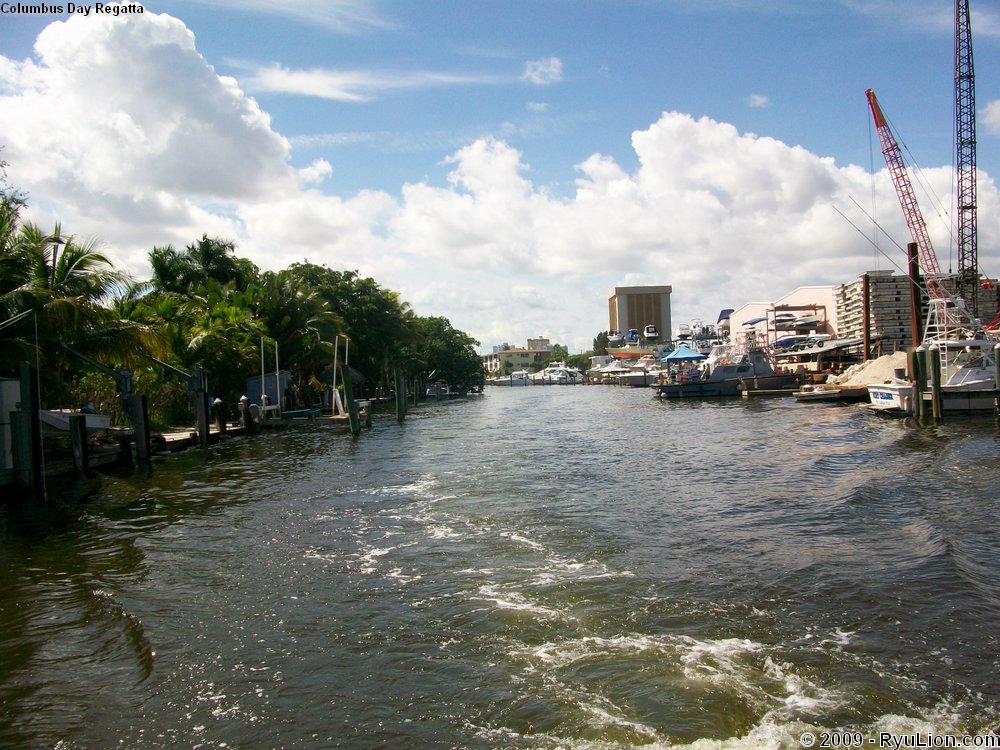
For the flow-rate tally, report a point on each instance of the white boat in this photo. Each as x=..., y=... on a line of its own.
x=557, y=373
x=643, y=372
x=830, y=392
x=651, y=332
x=58, y=419
x=967, y=371
x=615, y=339
x=518, y=377
x=895, y=396
x=439, y=389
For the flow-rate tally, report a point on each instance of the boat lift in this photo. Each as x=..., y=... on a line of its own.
x=197, y=386
x=136, y=406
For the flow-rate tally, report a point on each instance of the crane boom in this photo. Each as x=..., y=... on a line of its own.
x=965, y=144
x=907, y=198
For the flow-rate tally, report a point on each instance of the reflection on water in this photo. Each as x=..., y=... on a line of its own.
x=558, y=567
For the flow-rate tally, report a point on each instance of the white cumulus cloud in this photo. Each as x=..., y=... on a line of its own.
x=121, y=130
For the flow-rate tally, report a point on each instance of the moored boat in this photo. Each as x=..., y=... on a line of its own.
x=745, y=372
x=58, y=419
x=967, y=370
x=518, y=377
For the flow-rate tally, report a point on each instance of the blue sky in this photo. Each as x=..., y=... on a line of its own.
x=502, y=163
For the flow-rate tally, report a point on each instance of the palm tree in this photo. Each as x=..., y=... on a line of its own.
x=300, y=320
x=65, y=285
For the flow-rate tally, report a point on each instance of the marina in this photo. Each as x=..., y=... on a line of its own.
x=291, y=590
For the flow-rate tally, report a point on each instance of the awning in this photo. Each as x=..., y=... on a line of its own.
x=683, y=354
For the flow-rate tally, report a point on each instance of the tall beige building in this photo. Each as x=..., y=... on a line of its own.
x=639, y=306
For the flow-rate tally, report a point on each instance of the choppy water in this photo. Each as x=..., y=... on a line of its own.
x=576, y=567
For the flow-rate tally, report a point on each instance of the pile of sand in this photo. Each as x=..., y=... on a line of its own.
x=873, y=371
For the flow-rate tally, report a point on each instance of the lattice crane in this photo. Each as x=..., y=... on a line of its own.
x=965, y=142
x=907, y=199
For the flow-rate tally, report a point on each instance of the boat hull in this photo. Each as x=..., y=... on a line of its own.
x=728, y=387
x=898, y=398
x=892, y=398
x=58, y=419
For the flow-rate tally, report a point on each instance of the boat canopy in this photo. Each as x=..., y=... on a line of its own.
x=683, y=354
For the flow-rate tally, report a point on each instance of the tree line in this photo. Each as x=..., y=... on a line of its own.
x=204, y=308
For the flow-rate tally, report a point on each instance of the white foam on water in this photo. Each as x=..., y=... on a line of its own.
x=604, y=718
x=521, y=539
x=516, y=601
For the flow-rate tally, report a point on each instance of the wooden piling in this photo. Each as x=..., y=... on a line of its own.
x=934, y=367
x=26, y=436
x=78, y=443
x=139, y=412
x=917, y=366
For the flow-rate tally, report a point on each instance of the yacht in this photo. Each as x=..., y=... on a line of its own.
x=518, y=377
x=749, y=371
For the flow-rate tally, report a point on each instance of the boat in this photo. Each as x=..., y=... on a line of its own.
x=807, y=322
x=643, y=372
x=894, y=396
x=608, y=374
x=58, y=419
x=784, y=321
x=518, y=377
x=968, y=381
x=748, y=371
x=830, y=392
x=438, y=390
x=637, y=351
x=968, y=367
x=651, y=332
x=616, y=339
x=557, y=373
x=817, y=353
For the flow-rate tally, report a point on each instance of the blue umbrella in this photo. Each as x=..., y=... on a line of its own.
x=683, y=354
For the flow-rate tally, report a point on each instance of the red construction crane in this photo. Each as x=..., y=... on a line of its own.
x=907, y=199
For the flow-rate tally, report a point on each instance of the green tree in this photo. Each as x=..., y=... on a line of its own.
x=451, y=353
x=559, y=354
x=601, y=343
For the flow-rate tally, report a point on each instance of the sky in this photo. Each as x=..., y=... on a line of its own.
x=502, y=163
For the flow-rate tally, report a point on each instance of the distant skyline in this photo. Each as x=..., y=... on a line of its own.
x=502, y=163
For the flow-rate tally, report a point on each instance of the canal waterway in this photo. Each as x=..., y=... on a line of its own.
x=565, y=567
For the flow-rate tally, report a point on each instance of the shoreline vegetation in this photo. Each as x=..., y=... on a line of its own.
x=204, y=308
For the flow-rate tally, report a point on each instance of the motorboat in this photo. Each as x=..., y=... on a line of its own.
x=651, y=332
x=807, y=322
x=616, y=338
x=59, y=419
x=518, y=377
x=968, y=367
x=645, y=371
x=896, y=395
x=830, y=392
x=557, y=373
x=784, y=321
x=748, y=371
x=968, y=380
x=438, y=390
x=609, y=373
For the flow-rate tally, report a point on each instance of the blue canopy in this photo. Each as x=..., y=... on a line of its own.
x=683, y=354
